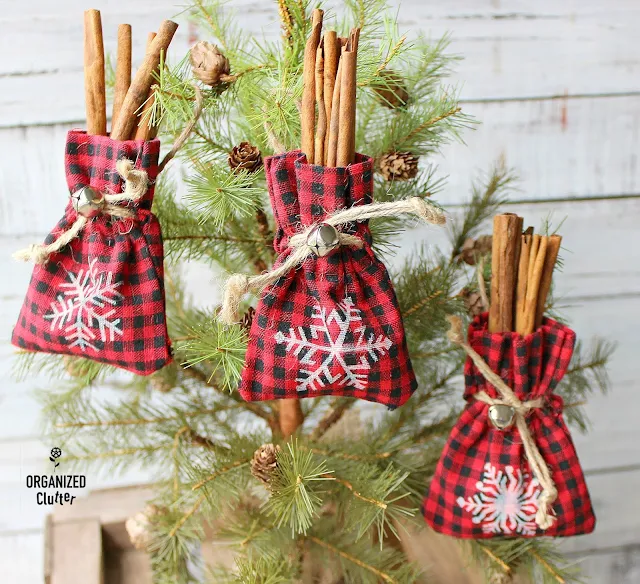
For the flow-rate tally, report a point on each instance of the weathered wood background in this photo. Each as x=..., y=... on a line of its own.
x=556, y=85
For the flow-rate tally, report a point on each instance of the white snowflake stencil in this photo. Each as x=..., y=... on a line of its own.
x=85, y=306
x=333, y=349
x=506, y=502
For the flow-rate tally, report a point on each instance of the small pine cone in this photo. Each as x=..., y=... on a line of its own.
x=245, y=156
x=392, y=92
x=208, y=64
x=501, y=578
x=472, y=301
x=399, y=166
x=472, y=249
x=139, y=526
x=247, y=319
x=264, y=462
x=165, y=379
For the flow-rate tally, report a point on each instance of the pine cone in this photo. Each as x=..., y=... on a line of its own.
x=247, y=319
x=245, y=156
x=472, y=249
x=501, y=578
x=264, y=462
x=208, y=64
x=392, y=92
x=139, y=526
x=399, y=166
x=165, y=379
x=472, y=301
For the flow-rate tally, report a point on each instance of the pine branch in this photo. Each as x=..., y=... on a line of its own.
x=253, y=408
x=354, y=560
x=216, y=237
x=487, y=196
x=237, y=464
x=411, y=136
x=138, y=421
x=548, y=567
x=190, y=512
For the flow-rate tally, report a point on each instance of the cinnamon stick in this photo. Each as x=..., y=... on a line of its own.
x=331, y=60
x=553, y=248
x=94, y=84
x=334, y=122
x=355, y=40
x=521, y=288
x=534, y=276
x=144, y=129
x=506, y=237
x=321, y=128
x=139, y=89
x=123, y=69
x=291, y=416
x=347, y=118
x=308, y=106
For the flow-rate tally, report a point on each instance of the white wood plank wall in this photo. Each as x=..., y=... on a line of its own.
x=556, y=85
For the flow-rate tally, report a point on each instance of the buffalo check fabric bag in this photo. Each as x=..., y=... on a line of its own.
x=488, y=483
x=332, y=325
x=101, y=295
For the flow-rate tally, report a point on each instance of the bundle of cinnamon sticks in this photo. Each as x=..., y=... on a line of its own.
x=521, y=272
x=329, y=84
x=133, y=99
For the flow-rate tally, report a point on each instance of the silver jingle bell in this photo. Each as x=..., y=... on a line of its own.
x=501, y=416
x=87, y=202
x=323, y=239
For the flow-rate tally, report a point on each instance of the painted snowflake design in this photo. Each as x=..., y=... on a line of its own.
x=85, y=306
x=506, y=502
x=336, y=348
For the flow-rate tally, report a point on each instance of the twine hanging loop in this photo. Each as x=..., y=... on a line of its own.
x=135, y=186
x=240, y=284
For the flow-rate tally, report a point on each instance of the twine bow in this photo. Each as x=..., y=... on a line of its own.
x=135, y=186
x=544, y=514
x=239, y=284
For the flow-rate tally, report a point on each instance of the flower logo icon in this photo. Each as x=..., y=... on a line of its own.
x=55, y=453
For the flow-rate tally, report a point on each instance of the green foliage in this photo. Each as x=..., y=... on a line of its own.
x=221, y=347
x=217, y=194
x=587, y=373
x=486, y=197
x=537, y=559
x=340, y=492
x=264, y=571
x=295, y=497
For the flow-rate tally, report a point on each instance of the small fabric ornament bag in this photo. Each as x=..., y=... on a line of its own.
x=328, y=321
x=510, y=467
x=97, y=289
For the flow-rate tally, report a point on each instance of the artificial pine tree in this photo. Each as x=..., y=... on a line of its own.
x=288, y=483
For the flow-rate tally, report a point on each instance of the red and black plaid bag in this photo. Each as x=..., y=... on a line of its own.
x=483, y=485
x=332, y=326
x=102, y=295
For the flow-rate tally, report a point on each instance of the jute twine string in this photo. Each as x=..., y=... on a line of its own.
x=136, y=185
x=544, y=514
x=240, y=284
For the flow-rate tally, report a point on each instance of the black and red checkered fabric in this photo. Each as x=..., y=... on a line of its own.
x=483, y=485
x=102, y=296
x=332, y=326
